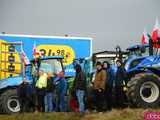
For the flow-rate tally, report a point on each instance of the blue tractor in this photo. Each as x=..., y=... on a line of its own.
x=143, y=70
x=138, y=50
x=9, y=102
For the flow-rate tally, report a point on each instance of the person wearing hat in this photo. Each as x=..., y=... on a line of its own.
x=120, y=82
x=25, y=95
x=99, y=87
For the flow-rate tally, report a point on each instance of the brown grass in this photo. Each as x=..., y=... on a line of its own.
x=125, y=114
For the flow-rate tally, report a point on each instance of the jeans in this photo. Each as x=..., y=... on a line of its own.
x=80, y=96
x=49, y=102
x=61, y=102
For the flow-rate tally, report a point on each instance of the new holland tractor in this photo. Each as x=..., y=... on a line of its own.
x=143, y=71
x=9, y=102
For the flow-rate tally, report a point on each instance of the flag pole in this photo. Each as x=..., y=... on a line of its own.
x=23, y=64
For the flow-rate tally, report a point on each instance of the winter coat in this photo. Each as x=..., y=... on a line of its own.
x=110, y=77
x=50, y=85
x=121, y=77
x=62, y=86
x=80, y=81
x=100, y=80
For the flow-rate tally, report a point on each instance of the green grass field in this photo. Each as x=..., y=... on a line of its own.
x=126, y=114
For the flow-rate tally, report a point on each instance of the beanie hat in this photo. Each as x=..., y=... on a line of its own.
x=98, y=63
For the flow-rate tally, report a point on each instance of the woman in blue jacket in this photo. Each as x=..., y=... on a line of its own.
x=109, y=84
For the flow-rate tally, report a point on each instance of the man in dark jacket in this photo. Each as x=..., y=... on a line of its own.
x=25, y=96
x=120, y=82
x=80, y=87
x=109, y=84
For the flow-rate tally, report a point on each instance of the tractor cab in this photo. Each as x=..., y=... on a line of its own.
x=136, y=55
x=138, y=50
x=142, y=56
x=51, y=64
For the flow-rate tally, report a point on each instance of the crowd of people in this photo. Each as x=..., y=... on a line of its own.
x=108, y=84
x=48, y=93
x=40, y=96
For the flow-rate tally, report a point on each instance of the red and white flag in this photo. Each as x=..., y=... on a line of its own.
x=155, y=33
x=25, y=58
x=36, y=52
x=144, y=38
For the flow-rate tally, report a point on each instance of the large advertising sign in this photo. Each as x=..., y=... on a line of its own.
x=68, y=47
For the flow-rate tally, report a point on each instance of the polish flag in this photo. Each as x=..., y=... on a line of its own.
x=36, y=52
x=155, y=35
x=144, y=38
x=25, y=58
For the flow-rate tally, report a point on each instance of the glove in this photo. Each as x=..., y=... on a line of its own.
x=125, y=89
x=100, y=90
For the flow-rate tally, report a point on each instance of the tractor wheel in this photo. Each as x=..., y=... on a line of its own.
x=144, y=90
x=9, y=102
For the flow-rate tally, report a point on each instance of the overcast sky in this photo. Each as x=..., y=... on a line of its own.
x=109, y=22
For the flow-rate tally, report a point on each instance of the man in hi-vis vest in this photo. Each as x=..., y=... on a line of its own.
x=41, y=85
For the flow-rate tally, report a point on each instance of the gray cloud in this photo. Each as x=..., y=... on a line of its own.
x=109, y=22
